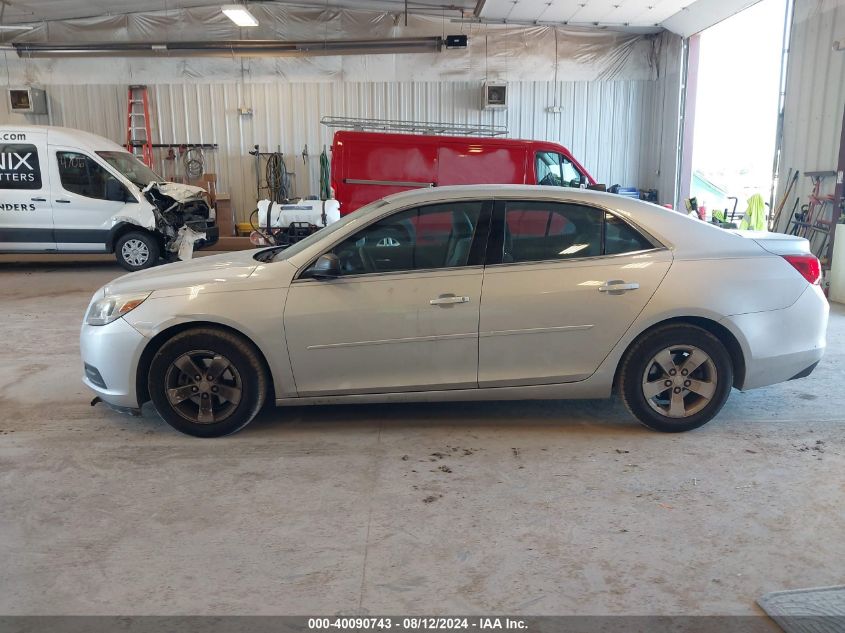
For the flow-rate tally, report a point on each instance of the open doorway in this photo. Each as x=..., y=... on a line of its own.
x=736, y=108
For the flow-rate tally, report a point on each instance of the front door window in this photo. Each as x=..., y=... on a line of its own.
x=421, y=238
x=557, y=170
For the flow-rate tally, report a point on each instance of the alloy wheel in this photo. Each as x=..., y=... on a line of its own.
x=679, y=381
x=203, y=386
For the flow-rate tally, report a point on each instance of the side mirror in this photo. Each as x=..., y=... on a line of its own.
x=327, y=266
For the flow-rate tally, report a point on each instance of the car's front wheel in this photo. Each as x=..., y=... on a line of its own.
x=676, y=378
x=207, y=382
x=137, y=250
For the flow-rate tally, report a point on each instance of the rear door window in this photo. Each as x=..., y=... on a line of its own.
x=535, y=231
x=19, y=168
x=539, y=231
x=620, y=237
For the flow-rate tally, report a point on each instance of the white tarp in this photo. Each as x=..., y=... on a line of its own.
x=495, y=52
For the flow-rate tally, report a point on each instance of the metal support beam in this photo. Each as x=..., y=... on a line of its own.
x=229, y=48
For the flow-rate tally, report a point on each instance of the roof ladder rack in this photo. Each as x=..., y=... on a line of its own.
x=413, y=127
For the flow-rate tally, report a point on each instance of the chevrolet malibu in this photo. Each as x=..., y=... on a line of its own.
x=465, y=293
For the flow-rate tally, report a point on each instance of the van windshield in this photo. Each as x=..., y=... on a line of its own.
x=128, y=165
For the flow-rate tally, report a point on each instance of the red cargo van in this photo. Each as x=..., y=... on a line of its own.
x=367, y=166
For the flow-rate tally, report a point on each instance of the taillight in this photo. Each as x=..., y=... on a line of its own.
x=808, y=265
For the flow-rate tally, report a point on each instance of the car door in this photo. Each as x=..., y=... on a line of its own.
x=563, y=284
x=403, y=315
x=26, y=216
x=87, y=197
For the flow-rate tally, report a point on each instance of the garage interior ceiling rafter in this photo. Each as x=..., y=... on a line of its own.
x=683, y=17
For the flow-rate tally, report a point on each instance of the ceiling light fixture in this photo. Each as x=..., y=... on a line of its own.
x=15, y=28
x=239, y=14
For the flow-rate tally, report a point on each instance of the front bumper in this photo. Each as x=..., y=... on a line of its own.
x=110, y=355
x=212, y=234
x=783, y=344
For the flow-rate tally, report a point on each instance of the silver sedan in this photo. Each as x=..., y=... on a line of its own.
x=465, y=293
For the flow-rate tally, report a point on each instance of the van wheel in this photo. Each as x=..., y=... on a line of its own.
x=207, y=382
x=137, y=251
x=676, y=378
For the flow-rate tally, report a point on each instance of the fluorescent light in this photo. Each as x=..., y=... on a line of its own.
x=239, y=15
x=15, y=28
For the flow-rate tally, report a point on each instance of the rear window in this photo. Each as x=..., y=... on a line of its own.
x=19, y=168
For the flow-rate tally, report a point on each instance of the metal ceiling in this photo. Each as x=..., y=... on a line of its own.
x=684, y=17
x=27, y=11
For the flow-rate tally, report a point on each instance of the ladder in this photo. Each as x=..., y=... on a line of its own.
x=138, y=135
x=413, y=127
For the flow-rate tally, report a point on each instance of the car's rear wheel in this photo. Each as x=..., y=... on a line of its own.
x=137, y=250
x=676, y=378
x=207, y=382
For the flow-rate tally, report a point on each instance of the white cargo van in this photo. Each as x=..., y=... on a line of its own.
x=68, y=191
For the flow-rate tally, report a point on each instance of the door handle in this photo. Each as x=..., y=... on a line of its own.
x=63, y=201
x=39, y=199
x=618, y=287
x=446, y=300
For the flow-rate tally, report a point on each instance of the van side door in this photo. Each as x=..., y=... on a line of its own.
x=472, y=163
x=26, y=216
x=87, y=197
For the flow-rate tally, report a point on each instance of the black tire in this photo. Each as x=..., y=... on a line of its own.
x=137, y=250
x=679, y=341
x=244, y=372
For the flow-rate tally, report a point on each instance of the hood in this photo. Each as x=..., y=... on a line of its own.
x=222, y=271
x=177, y=191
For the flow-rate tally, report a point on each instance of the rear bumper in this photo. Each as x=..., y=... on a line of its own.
x=783, y=344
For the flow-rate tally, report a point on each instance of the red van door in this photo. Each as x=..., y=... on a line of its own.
x=477, y=164
x=373, y=166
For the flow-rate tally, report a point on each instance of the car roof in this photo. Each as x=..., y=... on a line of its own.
x=70, y=137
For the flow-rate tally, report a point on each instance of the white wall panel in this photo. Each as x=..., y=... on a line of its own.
x=613, y=127
x=815, y=94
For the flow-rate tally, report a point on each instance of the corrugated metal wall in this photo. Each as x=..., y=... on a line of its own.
x=613, y=127
x=815, y=93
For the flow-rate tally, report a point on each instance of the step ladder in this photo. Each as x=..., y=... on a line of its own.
x=138, y=135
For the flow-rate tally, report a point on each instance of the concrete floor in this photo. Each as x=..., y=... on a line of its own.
x=520, y=508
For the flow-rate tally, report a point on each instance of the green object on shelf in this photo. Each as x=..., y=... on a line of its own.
x=325, y=176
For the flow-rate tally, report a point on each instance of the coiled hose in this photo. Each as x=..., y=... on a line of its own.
x=277, y=177
x=193, y=163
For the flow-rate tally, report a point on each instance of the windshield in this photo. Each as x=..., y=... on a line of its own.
x=128, y=165
x=301, y=245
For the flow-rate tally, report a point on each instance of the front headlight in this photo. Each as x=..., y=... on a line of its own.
x=112, y=307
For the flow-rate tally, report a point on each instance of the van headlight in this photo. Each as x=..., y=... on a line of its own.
x=112, y=307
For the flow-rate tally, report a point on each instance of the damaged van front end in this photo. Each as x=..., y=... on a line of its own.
x=183, y=217
x=178, y=215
